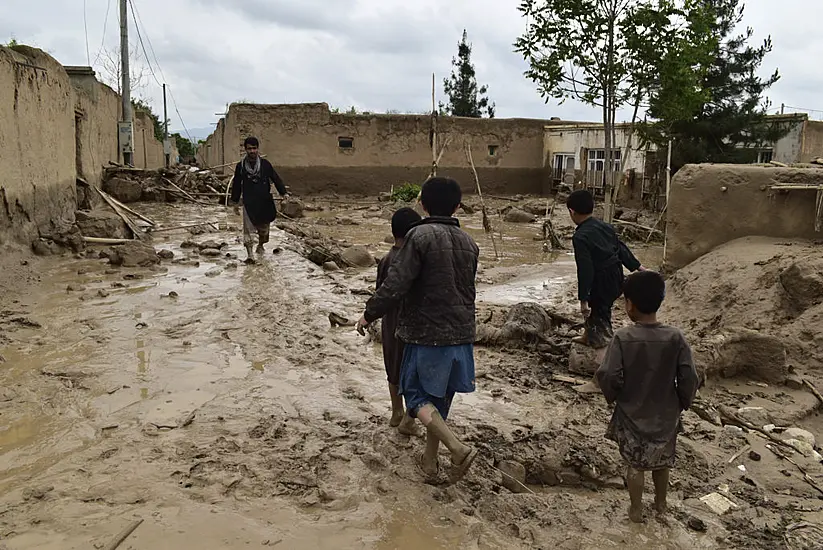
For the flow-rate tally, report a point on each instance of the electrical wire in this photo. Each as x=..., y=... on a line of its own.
x=137, y=24
x=103, y=41
x=86, y=29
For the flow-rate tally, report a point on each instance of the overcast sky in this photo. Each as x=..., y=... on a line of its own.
x=373, y=54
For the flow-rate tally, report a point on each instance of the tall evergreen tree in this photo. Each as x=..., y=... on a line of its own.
x=465, y=98
x=722, y=117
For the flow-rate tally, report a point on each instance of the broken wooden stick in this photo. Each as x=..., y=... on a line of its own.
x=728, y=416
x=813, y=389
x=656, y=223
x=738, y=454
x=806, y=477
x=487, y=226
x=184, y=193
x=124, y=534
x=102, y=240
x=138, y=234
x=132, y=212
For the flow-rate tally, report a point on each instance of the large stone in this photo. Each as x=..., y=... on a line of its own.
x=358, y=256
x=538, y=208
x=514, y=476
x=738, y=352
x=584, y=360
x=124, y=190
x=102, y=223
x=292, y=208
x=803, y=282
x=133, y=254
x=515, y=215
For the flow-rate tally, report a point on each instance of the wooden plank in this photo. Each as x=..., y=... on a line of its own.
x=131, y=225
x=132, y=212
x=184, y=193
x=102, y=240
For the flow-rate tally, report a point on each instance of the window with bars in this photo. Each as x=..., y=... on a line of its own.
x=765, y=156
x=597, y=160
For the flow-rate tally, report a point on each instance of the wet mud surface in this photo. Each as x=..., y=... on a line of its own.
x=214, y=401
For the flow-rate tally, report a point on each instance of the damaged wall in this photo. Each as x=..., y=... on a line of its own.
x=317, y=150
x=712, y=204
x=37, y=145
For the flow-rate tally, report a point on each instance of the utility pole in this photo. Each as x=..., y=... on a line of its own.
x=126, y=126
x=166, y=142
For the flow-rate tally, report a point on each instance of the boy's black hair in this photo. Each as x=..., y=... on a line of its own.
x=402, y=221
x=581, y=201
x=646, y=290
x=251, y=140
x=441, y=196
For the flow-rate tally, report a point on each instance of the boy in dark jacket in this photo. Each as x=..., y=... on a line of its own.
x=600, y=256
x=401, y=222
x=433, y=276
x=252, y=180
x=649, y=375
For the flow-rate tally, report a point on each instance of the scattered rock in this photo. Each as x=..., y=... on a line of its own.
x=75, y=288
x=173, y=294
x=102, y=223
x=755, y=456
x=231, y=265
x=211, y=252
x=358, y=256
x=514, y=476
x=41, y=247
x=188, y=244
x=794, y=382
x=102, y=293
x=214, y=272
x=37, y=493
x=697, y=524
x=585, y=360
x=757, y=416
x=124, y=190
x=515, y=215
x=803, y=283
x=331, y=266
x=133, y=254
x=165, y=254
x=218, y=245
x=739, y=352
x=292, y=208
x=799, y=434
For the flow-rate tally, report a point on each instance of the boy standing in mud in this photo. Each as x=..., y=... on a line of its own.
x=433, y=276
x=600, y=256
x=402, y=221
x=649, y=375
x=253, y=177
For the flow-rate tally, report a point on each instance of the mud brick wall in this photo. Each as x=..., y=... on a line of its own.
x=702, y=215
x=37, y=145
x=96, y=112
x=304, y=143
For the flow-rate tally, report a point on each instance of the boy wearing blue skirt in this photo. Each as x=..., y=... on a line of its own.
x=433, y=277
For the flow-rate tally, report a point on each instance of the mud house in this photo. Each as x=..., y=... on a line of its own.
x=57, y=124
x=317, y=150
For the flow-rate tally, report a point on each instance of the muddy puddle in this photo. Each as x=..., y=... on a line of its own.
x=214, y=401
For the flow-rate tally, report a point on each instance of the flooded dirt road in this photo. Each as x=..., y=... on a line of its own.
x=214, y=401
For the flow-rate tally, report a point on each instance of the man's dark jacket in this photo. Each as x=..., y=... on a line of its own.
x=256, y=191
x=433, y=277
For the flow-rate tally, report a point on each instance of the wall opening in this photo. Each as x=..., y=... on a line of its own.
x=765, y=156
x=345, y=142
x=493, y=150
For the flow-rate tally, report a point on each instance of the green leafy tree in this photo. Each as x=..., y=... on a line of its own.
x=142, y=106
x=710, y=101
x=465, y=97
x=598, y=52
x=184, y=146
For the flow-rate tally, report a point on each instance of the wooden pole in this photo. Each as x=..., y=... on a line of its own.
x=124, y=534
x=487, y=226
x=434, y=132
x=131, y=225
x=184, y=193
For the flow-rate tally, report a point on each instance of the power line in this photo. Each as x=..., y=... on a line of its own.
x=143, y=46
x=137, y=24
x=103, y=41
x=86, y=29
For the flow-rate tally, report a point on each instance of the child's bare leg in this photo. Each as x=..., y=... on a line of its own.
x=429, y=460
x=635, y=480
x=397, y=410
x=661, y=487
x=436, y=426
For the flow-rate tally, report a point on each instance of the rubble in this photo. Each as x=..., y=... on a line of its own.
x=358, y=256
x=133, y=254
x=102, y=223
x=515, y=215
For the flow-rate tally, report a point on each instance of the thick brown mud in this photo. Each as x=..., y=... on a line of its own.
x=214, y=401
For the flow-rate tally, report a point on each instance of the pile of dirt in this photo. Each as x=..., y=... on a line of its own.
x=164, y=185
x=750, y=303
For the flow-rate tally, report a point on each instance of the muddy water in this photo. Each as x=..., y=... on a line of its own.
x=103, y=387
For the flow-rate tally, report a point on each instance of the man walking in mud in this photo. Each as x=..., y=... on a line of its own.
x=252, y=180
